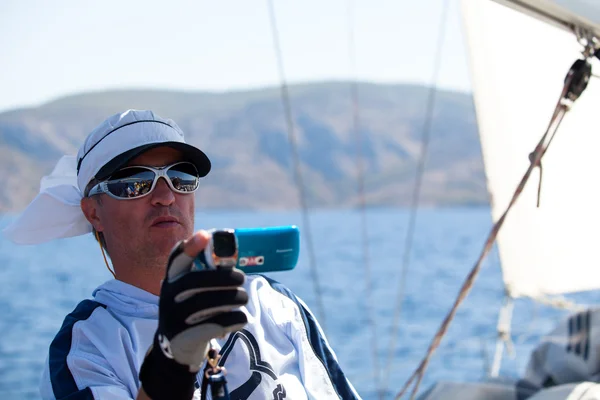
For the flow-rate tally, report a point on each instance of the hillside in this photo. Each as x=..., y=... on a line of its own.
x=245, y=136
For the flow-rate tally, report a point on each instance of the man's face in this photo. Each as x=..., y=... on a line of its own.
x=140, y=227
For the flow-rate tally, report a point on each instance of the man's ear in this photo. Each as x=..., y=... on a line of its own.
x=90, y=206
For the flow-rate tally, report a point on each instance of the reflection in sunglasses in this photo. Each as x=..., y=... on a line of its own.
x=133, y=182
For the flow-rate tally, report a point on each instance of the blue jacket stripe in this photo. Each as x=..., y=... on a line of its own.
x=63, y=383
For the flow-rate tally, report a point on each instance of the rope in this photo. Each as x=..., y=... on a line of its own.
x=416, y=194
x=561, y=108
x=361, y=194
x=285, y=99
x=104, y=255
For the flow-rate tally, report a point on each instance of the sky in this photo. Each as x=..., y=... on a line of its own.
x=49, y=49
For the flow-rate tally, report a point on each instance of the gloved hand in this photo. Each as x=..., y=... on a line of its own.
x=195, y=306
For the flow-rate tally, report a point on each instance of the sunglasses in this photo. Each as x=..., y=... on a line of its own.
x=135, y=182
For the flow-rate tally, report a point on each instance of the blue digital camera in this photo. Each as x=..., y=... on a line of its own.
x=252, y=250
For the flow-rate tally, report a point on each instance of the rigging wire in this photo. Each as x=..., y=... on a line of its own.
x=285, y=99
x=575, y=82
x=361, y=191
x=416, y=193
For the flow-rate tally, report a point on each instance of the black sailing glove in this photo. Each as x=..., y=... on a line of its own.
x=195, y=306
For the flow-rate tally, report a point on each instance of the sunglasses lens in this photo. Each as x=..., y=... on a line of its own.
x=133, y=182
x=130, y=182
x=184, y=177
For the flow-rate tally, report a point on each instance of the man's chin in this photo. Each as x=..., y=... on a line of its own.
x=166, y=239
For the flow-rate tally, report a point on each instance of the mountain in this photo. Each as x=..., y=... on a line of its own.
x=244, y=133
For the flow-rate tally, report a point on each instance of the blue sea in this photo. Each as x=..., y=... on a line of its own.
x=43, y=283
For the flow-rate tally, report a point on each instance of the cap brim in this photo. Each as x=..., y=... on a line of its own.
x=190, y=153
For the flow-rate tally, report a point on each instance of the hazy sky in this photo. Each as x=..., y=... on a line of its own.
x=52, y=48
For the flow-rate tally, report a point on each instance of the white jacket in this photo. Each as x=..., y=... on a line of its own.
x=280, y=354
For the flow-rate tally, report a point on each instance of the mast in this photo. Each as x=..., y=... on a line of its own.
x=564, y=14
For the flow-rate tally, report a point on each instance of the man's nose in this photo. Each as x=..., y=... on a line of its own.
x=162, y=193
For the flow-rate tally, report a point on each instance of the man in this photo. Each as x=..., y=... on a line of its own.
x=146, y=333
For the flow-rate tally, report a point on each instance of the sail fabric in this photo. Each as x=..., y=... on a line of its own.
x=518, y=64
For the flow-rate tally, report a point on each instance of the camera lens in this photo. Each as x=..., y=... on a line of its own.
x=224, y=244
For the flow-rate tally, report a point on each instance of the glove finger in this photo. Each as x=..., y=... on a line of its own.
x=190, y=346
x=205, y=305
x=206, y=280
x=179, y=263
x=229, y=321
x=184, y=252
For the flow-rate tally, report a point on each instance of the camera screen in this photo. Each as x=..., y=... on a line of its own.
x=224, y=244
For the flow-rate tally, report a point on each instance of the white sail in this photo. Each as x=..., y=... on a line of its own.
x=518, y=64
